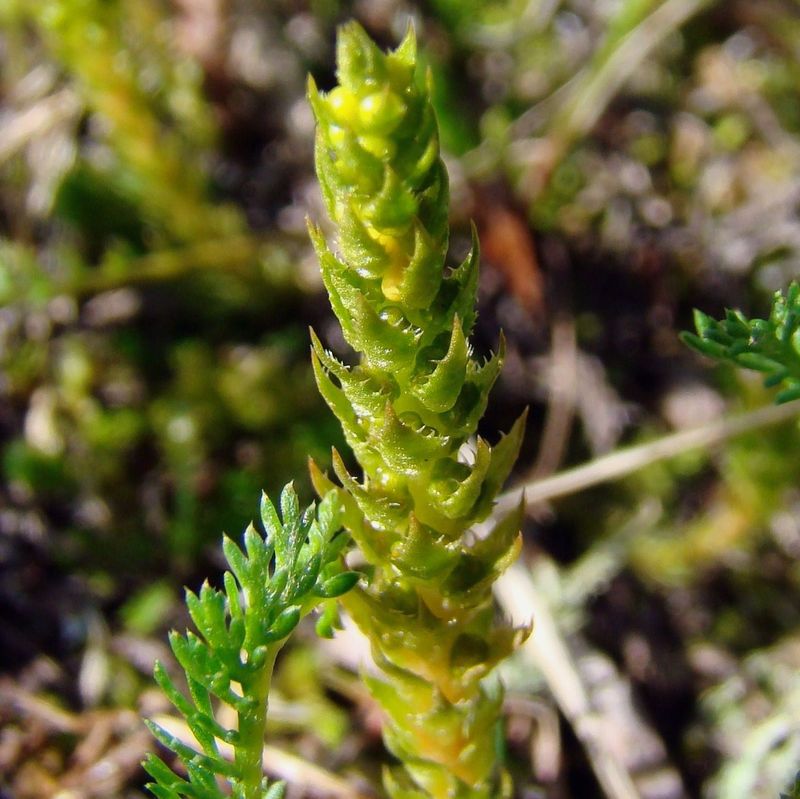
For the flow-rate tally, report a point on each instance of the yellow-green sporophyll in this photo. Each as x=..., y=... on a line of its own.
x=410, y=410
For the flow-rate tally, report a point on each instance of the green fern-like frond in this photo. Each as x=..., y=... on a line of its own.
x=271, y=585
x=770, y=346
x=410, y=409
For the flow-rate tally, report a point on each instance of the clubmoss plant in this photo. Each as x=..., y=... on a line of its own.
x=270, y=586
x=410, y=410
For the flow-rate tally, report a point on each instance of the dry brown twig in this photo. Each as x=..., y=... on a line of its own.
x=110, y=745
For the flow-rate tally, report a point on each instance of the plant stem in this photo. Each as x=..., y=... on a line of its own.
x=252, y=726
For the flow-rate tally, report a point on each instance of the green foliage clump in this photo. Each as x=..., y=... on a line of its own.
x=140, y=345
x=121, y=59
x=270, y=586
x=770, y=346
x=409, y=410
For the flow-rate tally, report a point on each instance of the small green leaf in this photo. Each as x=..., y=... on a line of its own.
x=705, y=347
x=290, y=506
x=232, y=594
x=457, y=498
x=788, y=395
x=259, y=554
x=286, y=622
x=758, y=362
x=215, y=765
x=504, y=455
x=439, y=390
x=338, y=585
x=328, y=620
x=329, y=514
x=276, y=586
x=159, y=771
x=305, y=578
x=270, y=519
x=236, y=560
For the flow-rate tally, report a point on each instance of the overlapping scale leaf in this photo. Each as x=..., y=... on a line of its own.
x=378, y=161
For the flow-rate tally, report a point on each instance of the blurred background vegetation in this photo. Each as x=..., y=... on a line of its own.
x=625, y=161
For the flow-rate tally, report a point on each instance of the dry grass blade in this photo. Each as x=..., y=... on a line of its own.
x=625, y=461
x=591, y=91
x=627, y=756
x=27, y=124
x=519, y=597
